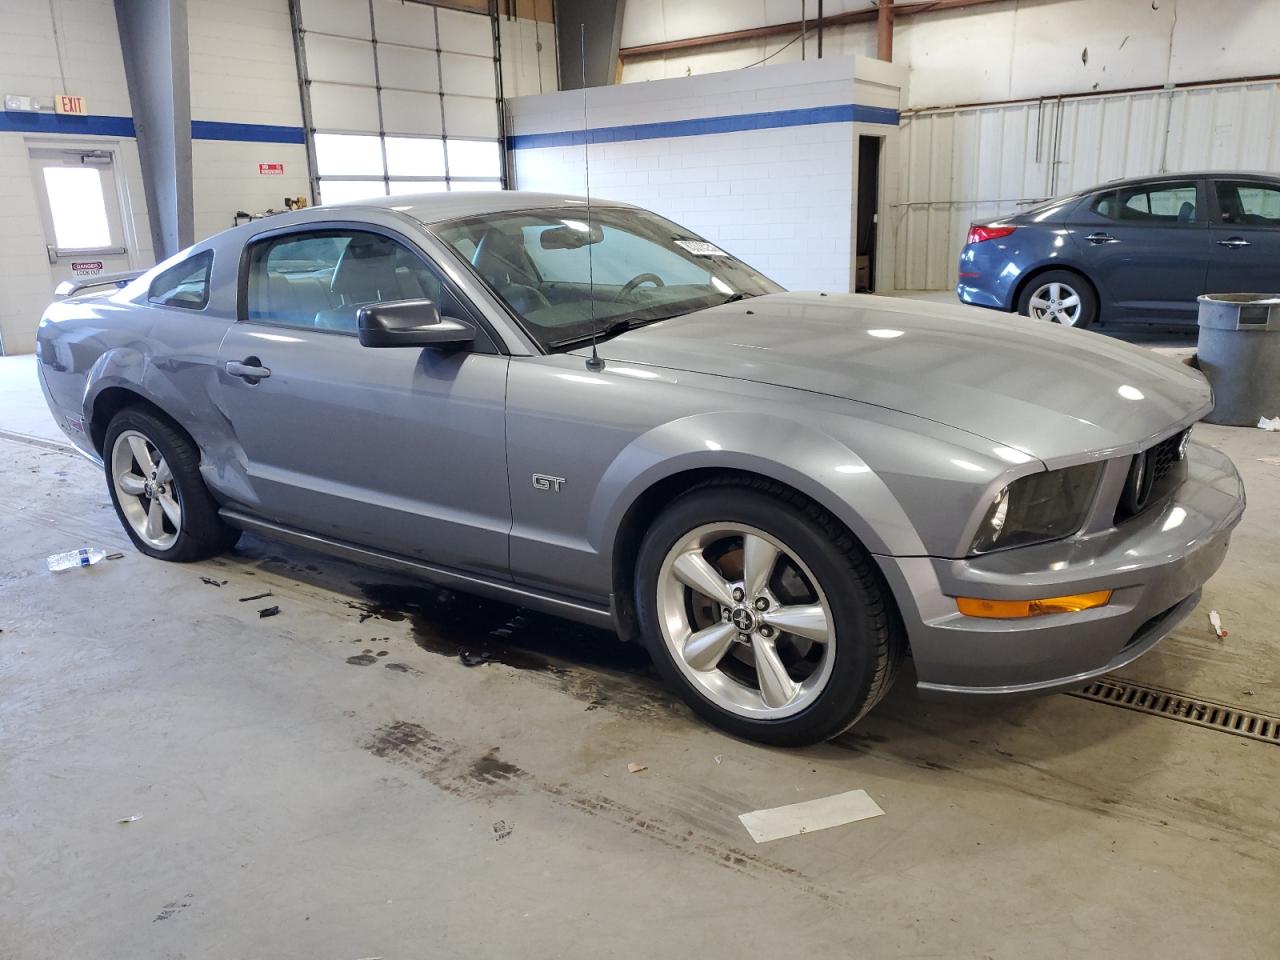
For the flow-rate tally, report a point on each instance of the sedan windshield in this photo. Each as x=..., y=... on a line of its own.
x=566, y=276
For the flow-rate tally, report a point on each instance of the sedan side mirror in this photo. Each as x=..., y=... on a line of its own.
x=410, y=323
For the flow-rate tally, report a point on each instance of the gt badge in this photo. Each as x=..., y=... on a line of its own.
x=542, y=481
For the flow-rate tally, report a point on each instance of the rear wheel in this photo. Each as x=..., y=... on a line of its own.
x=765, y=614
x=1060, y=296
x=153, y=474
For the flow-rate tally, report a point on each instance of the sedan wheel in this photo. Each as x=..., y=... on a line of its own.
x=145, y=490
x=1058, y=302
x=745, y=621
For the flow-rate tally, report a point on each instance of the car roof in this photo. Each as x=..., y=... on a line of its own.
x=1186, y=175
x=434, y=207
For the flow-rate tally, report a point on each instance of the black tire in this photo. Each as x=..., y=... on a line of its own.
x=1088, y=314
x=869, y=638
x=203, y=533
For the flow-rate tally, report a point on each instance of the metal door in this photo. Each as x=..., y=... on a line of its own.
x=81, y=212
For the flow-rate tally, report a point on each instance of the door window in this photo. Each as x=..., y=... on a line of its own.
x=184, y=285
x=78, y=207
x=1159, y=203
x=320, y=279
x=1248, y=204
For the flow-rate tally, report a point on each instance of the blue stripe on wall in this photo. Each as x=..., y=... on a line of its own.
x=11, y=122
x=246, y=132
x=837, y=113
x=102, y=126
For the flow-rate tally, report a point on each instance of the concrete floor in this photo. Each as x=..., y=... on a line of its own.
x=333, y=783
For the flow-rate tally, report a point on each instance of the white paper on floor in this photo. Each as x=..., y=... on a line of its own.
x=810, y=815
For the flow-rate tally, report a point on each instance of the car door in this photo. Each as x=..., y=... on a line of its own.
x=401, y=449
x=1145, y=246
x=1245, y=256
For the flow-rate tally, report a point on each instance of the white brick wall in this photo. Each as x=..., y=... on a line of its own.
x=94, y=69
x=779, y=198
x=242, y=71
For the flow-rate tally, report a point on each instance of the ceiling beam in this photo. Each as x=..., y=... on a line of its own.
x=783, y=29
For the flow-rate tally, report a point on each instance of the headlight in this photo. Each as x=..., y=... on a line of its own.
x=1038, y=508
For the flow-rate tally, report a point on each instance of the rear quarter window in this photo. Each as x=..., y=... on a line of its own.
x=184, y=285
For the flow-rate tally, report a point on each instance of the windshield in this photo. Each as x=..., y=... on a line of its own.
x=565, y=279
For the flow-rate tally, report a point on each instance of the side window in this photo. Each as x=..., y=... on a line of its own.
x=1249, y=204
x=185, y=285
x=320, y=279
x=1160, y=203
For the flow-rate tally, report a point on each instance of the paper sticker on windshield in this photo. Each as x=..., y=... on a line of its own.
x=700, y=248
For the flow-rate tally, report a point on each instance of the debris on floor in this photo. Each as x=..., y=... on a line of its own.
x=470, y=659
x=212, y=582
x=636, y=767
x=362, y=659
x=83, y=557
x=810, y=815
x=115, y=556
x=502, y=830
x=1269, y=423
x=1215, y=621
x=1271, y=461
x=256, y=596
x=136, y=816
x=268, y=612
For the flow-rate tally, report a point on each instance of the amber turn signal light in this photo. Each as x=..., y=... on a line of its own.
x=1011, y=609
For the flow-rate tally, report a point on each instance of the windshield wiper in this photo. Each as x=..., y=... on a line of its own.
x=735, y=297
x=610, y=329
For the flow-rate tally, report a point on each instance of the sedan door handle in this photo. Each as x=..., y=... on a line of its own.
x=250, y=370
x=1234, y=242
x=1101, y=238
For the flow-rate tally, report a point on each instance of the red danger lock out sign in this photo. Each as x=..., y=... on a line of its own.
x=86, y=268
x=271, y=169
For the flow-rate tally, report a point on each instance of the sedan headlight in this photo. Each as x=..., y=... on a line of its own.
x=1037, y=508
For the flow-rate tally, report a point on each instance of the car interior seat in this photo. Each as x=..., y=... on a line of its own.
x=1187, y=212
x=372, y=269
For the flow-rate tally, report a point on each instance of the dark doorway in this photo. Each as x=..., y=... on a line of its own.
x=864, y=273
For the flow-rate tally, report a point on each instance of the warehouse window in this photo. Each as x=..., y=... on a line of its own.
x=401, y=98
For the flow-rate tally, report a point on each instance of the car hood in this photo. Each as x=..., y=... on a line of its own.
x=1049, y=391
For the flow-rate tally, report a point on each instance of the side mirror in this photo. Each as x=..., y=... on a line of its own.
x=410, y=323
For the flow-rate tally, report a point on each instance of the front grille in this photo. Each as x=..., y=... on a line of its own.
x=1154, y=474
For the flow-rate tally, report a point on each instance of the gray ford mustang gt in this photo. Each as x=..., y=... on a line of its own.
x=592, y=411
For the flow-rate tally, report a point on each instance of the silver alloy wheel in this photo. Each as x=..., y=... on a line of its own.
x=1056, y=301
x=746, y=649
x=144, y=486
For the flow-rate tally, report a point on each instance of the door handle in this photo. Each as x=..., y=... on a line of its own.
x=1097, y=238
x=250, y=370
x=1234, y=242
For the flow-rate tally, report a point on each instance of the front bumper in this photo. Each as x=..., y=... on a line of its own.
x=1155, y=564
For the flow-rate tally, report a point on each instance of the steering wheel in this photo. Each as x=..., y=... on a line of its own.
x=629, y=287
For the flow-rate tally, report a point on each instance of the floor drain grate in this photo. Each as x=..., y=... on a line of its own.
x=1178, y=706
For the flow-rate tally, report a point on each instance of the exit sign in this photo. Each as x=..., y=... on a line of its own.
x=65, y=103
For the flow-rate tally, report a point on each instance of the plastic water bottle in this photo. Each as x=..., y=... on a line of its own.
x=76, y=558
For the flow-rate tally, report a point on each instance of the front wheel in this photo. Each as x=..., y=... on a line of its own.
x=765, y=614
x=153, y=475
x=1059, y=296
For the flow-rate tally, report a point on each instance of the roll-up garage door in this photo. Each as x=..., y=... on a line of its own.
x=402, y=97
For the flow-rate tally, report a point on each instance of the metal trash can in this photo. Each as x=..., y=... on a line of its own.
x=1239, y=357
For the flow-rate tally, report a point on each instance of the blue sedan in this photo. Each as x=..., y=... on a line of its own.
x=1137, y=250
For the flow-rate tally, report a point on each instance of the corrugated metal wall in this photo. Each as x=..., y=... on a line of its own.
x=961, y=165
